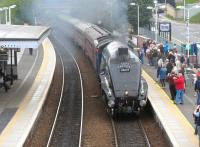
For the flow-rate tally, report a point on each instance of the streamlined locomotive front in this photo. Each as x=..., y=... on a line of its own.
x=121, y=82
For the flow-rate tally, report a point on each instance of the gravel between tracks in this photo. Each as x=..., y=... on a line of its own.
x=129, y=132
x=151, y=127
x=97, y=128
x=40, y=133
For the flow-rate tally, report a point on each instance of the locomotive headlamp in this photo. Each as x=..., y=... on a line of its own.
x=126, y=93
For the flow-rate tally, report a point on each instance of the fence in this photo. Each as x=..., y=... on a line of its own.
x=149, y=34
x=181, y=48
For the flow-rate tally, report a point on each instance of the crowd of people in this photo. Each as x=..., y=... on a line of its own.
x=170, y=67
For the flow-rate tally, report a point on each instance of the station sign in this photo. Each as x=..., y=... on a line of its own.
x=164, y=26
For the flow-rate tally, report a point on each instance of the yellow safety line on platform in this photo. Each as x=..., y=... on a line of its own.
x=170, y=106
x=7, y=130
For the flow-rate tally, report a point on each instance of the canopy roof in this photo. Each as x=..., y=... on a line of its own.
x=22, y=36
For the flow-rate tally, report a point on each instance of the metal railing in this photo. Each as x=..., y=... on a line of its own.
x=150, y=34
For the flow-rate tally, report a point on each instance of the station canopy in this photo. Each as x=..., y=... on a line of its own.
x=22, y=36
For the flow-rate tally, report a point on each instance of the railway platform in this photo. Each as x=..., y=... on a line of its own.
x=176, y=120
x=21, y=105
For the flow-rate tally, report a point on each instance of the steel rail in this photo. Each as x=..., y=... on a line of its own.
x=115, y=133
x=81, y=126
x=58, y=109
x=144, y=132
x=82, y=93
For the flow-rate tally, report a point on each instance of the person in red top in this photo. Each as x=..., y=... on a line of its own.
x=172, y=87
x=180, y=87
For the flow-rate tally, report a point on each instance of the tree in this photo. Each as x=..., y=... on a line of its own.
x=145, y=14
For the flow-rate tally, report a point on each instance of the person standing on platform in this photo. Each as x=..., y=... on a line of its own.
x=180, y=88
x=172, y=88
x=163, y=74
x=196, y=116
x=169, y=66
x=160, y=63
x=197, y=89
x=141, y=55
x=166, y=48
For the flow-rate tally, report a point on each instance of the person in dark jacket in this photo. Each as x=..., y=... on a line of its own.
x=172, y=88
x=197, y=89
x=196, y=116
x=182, y=59
x=169, y=66
x=163, y=74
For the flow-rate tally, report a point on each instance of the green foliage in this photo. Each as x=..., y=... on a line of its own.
x=195, y=19
x=17, y=15
x=191, y=1
x=145, y=14
x=187, y=2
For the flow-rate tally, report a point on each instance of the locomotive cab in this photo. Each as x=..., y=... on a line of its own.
x=121, y=82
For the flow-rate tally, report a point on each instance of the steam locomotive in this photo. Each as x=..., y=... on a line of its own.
x=117, y=67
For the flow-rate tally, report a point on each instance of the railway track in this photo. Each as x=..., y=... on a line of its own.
x=68, y=121
x=129, y=133
x=96, y=128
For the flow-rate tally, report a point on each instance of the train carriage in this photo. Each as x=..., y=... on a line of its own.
x=117, y=67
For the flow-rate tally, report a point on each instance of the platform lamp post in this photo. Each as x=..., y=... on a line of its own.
x=11, y=66
x=156, y=18
x=1, y=9
x=10, y=7
x=6, y=14
x=184, y=9
x=188, y=26
x=138, y=16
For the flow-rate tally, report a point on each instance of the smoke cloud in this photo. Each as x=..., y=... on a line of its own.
x=112, y=14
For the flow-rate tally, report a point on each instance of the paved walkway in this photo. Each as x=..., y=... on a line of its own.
x=23, y=103
x=28, y=67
